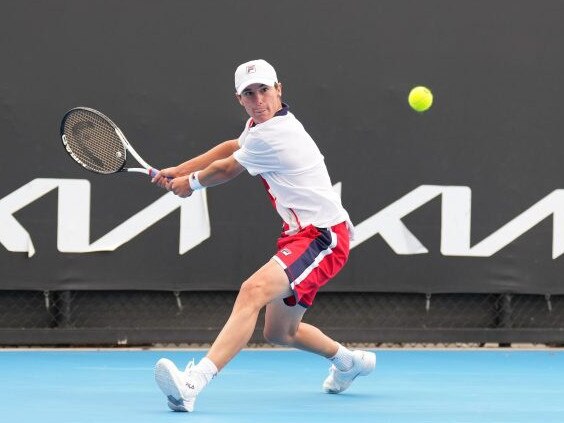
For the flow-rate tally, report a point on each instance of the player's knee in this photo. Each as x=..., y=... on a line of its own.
x=277, y=337
x=252, y=293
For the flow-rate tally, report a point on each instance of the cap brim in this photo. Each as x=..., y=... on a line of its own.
x=258, y=80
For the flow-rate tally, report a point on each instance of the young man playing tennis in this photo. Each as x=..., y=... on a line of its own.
x=313, y=247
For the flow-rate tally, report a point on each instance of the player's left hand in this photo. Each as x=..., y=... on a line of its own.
x=164, y=175
x=180, y=186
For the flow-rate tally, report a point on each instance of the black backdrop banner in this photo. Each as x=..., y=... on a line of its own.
x=467, y=197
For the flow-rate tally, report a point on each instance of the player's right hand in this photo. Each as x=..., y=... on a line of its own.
x=180, y=186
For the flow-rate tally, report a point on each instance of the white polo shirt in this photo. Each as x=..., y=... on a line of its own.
x=293, y=169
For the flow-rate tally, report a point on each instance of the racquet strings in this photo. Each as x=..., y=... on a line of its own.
x=93, y=142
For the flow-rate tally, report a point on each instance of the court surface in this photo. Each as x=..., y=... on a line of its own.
x=284, y=386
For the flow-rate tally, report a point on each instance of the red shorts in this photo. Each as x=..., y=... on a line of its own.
x=310, y=258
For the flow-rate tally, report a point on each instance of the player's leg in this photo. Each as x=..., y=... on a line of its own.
x=268, y=283
x=284, y=326
x=181, y=388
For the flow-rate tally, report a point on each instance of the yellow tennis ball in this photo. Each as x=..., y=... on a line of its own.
x=420, y=99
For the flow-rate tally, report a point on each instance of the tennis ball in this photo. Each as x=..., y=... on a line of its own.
x=420, y=99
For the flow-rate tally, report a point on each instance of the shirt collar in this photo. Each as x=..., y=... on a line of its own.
x=283, y=111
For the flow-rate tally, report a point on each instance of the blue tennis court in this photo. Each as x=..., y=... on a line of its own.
x=284, y=386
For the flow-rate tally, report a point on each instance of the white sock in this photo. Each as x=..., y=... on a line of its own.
x=203, y=373
x=343, y=360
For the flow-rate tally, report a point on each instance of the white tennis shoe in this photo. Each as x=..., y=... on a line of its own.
x=364, y=363
x=178, y=387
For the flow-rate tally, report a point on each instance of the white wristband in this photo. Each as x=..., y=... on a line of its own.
x=195, y=182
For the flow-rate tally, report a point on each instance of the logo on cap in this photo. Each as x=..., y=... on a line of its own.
x=251, y=69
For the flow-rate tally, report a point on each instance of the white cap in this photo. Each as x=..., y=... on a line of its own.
x=254, y=72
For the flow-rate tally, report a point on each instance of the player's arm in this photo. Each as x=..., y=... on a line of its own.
x=218, y=172
x=220, y=151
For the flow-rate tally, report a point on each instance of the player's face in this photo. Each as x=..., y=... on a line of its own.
x=261, y=101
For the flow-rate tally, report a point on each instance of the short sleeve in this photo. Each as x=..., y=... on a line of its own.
x=257, y=156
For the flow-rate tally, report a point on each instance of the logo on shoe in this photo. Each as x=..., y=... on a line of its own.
x=190, y=385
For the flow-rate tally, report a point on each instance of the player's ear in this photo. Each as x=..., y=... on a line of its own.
x=238, y=97
x=278, y=87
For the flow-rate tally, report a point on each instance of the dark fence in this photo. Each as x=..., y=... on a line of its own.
x=126, y=318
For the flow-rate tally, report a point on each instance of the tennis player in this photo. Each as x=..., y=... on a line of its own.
x=313, y=246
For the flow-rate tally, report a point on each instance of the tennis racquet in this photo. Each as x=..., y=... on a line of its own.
x=96, y=143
